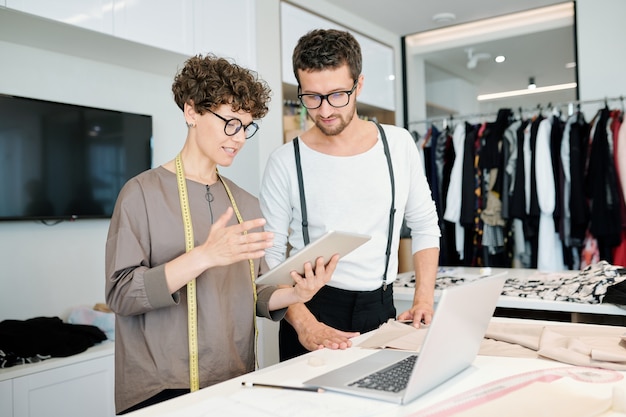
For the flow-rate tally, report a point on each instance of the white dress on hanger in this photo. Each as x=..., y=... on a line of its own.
x=455, y=189
x=550, y=250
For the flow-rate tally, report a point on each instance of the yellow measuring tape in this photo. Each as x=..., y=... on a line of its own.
x=192, y=315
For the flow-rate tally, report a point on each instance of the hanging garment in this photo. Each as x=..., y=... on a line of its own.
x=556, y=137
x=601, y=189
x=430, y=163
x=468, y=191
x=621, y=157
x=448, y=254
x=473, y=240
x=509, y=153
x=564, y=223
x=452, y=213
x=549, y=249
x=491, y=164
x=579, y=208
x=531, y=222
x=619, y=152
x=438, y=150
x=517, y=201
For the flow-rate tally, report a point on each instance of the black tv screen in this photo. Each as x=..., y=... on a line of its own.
x=62, y=162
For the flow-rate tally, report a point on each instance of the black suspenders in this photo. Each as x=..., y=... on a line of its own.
x=392, y=210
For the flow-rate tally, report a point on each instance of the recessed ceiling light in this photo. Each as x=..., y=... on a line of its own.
x=500, y=58
x=444, y=17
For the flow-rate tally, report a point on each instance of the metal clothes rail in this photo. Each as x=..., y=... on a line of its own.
x=570, y=105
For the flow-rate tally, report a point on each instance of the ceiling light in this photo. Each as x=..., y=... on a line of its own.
x=513, y=93
x=570, y=65
x=531, y=83
x=500, y=58
x=444, y=17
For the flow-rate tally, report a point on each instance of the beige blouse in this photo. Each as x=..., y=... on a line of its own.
x=151, y=343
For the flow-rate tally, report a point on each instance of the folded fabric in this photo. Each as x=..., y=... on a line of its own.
x=25, y=341
x=395, y=335
x=582, y=345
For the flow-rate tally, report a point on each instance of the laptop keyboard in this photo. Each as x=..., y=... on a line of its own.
x=394, y=378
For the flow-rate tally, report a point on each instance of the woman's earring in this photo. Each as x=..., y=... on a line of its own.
x=190, y=125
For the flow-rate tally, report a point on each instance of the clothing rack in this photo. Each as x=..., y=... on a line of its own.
x=570, y=105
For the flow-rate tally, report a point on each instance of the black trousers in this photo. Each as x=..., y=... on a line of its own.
x=164, y=395
x=350, y=311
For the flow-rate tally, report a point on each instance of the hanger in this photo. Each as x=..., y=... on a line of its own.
x=579, y=114
x=451, y=124
x=556, y=111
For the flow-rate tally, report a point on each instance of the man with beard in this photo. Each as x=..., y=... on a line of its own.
x=347, y=174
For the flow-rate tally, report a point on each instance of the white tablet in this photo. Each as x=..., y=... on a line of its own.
x=326, y=246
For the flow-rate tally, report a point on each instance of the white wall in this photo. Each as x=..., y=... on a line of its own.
x=601, y=34
x=451, y=92
x=45, y=270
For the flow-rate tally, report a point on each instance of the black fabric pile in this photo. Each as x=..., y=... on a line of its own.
x=32, y=340
x=616, y=294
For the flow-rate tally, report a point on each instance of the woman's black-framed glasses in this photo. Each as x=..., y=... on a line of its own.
x=234, y=125
x=336, y=99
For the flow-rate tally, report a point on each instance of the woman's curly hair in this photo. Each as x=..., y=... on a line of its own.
x=208, y=82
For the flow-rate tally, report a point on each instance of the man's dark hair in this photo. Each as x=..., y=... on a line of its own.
x=327, y=49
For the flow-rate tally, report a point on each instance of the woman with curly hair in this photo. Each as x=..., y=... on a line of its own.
x=184, y=248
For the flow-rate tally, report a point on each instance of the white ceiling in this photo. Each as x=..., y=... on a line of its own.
x=542, y=55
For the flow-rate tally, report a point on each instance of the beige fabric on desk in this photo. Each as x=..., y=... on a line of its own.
x=575, y=344
x=582, y=345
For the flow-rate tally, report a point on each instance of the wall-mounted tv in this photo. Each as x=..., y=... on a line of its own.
x=64, y=162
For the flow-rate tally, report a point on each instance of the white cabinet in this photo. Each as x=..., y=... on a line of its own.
x=226, y=29
x=89, y=14
x=166, y=24
x=6, y=398
x=76, y=386
x=184, y=26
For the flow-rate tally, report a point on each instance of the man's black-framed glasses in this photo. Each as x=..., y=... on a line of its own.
x=335, y=99
x=234, y=125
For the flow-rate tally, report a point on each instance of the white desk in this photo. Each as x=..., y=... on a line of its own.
x=230, y=398
x=403, y=296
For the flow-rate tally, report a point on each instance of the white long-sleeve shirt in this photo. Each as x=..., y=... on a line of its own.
x=350, y=193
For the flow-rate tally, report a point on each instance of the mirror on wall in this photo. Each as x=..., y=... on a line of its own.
x=480, y=67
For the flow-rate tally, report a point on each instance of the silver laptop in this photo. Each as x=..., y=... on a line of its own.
x=451, y=344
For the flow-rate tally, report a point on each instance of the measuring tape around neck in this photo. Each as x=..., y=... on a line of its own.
x=192, y=315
